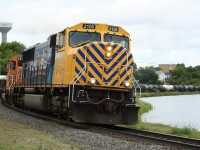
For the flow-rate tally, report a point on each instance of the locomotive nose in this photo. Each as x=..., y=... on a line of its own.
x=106, y=64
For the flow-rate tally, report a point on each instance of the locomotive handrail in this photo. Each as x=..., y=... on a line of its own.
x=134, y=80
x=79, y=75
x=137, y=85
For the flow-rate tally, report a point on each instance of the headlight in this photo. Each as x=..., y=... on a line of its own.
x=109, y=48
x=92, y=80
x=108, y=54
x=108, y=51
x=126, y=83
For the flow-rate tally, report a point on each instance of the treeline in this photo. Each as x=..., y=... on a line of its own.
x=181, y=75
x=7, y=50
x=146, y=75
x=185, y=75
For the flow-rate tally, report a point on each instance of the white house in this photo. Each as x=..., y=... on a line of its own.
x=161, y=76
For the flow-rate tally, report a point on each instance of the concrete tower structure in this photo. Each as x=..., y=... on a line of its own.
x=4, y=28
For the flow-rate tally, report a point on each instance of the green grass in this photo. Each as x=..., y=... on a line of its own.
x=188, y=131
x=144, y=107
x=182, y=131
x=14, y=136
x=160, y=128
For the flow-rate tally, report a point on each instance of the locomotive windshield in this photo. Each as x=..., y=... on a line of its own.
x=77, y=38
x=123, y=40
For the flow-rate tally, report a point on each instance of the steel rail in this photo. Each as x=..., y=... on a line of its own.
x=176, y=141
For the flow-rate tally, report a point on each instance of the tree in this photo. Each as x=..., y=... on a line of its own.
x=7, y=50
x=146, y=75
x=14, y=46
x=185, y=75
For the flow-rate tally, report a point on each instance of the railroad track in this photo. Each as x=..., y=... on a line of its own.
x=122, y=132
x=47, y=117
x=170, y=140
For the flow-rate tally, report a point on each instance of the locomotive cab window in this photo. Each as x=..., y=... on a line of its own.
x=20, y=61
x=60, y=40
x=123, y=40
x=12, y=65
x=80, y=38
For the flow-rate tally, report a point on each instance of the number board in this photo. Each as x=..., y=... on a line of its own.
x=113, y=29
x=89, y=26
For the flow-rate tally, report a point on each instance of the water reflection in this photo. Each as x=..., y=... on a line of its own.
x=178, y=111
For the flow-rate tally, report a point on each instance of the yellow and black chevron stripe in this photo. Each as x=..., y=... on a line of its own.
x=107, y=72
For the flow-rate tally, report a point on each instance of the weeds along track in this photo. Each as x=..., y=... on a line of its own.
x=147, y=136
x=121, y=132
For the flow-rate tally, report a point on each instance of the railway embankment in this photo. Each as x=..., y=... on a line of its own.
x=20, y=137
x=19, y=131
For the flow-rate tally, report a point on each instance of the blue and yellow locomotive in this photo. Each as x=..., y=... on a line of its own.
x=83, y=73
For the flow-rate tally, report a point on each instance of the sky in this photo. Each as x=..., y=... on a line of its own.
x=162, y=31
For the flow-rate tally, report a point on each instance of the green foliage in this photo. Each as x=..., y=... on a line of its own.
x=144, y=107
x=15, y=46
x=185, y=75
x=7, y=50
x=146, y=75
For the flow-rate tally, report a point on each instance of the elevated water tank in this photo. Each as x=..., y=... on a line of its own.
x=5, y=27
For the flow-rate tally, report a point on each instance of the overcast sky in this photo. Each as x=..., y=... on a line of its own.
x=162, y=31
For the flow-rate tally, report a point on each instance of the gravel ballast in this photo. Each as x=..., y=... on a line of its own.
x=85, y=139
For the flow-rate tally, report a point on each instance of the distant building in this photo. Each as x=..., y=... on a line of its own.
x=161, y=76
x=167, y=68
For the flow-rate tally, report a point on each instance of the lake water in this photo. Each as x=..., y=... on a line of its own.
x=181, y=111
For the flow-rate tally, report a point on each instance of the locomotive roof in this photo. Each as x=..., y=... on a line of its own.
x=99, y=27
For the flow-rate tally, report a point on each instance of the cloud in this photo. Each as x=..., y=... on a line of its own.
x=159, y=28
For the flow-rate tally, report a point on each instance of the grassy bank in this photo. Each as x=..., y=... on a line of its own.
x=153, y=94
x=185, y=131
x=144, y=107
x=14, y=136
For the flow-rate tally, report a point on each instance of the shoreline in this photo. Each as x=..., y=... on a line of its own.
x=174, y=93
x=185, y=131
